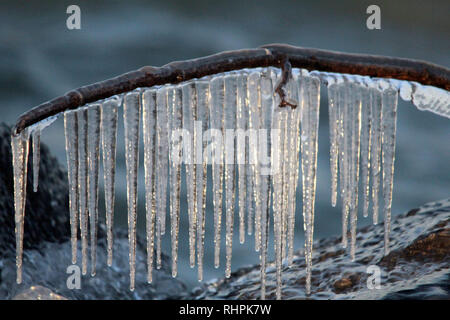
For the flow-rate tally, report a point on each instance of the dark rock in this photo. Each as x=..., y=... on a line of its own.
x=47, y=252
x=417, y=267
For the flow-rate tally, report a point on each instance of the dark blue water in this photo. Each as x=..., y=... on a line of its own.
x=40, y=59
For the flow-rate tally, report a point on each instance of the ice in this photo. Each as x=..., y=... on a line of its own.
x=388, y=127
x=309, y=132
x=71, y=137
x=36, y=141
x=109, y=117
x=82, y=116
x=176, y=114
x=131, y=117
x=230, y=85
x=149, y=135
x=162, y=167
x=20, y=145
x=216, y=123
x=233, y=121
x=93, y=168
x=200, y=126
x=188, y=105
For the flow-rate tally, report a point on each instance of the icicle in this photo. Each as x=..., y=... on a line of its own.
x=344, y=157
x=365, y=146
x=333, y=114
x=176, y=114
x=189, y=101
x=36, y=141
x=93, y=160
x=254, y=96
x=294, y=151
x=162, y=152
x=310, y=124
x=279, y=123
x=149, y=134
x=375, y=152
x=201, y=125
x=71, y=137
x=241, y=126
x=19, y=145
x=131, y=117
x=229, y=110
x=216, y=119
x=389, y=123
x=355, y=109
x=109, y=116
x=265, y=172
x=82, y=116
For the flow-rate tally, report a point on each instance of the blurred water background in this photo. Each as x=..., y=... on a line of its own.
x=41, y=59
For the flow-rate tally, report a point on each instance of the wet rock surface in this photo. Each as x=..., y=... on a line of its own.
x=417, y=267
x=47, y=249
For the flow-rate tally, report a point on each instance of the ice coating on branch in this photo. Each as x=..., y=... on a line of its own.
x=233, y=122
x=109, y=118
x=131, y=118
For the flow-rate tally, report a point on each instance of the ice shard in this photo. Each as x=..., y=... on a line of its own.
x=93, y=169
x=131, y=117
x=230, y=85
x=388, y=127
x=189, y=98
x=109, y=118
x=175, y=154
x=36, y=141
x=216, y=123
x=82, y=116
x=375, y=151
x=309, y=132
x=71, y=137
x=20, y=145
x=200, y=126
x=149, y=135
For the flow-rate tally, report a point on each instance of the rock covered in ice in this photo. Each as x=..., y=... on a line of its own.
x=416, y=268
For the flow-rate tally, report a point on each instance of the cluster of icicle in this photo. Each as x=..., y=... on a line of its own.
x=362, y=114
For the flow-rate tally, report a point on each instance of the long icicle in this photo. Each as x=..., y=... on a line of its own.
x=389, y=124
x=366, y=130
x=20, y=145
x=230, y=84
x=310, y=124
x=294, y=147
x=241, y=128
x=131, y=116
x=36, y=141
x=354, y=163
x=149, y=135
x=189, y=100
x=162, y=152
x=375, y=153
x=216, y=123
x=333, y=114
x=83, y=184
x=254, y=96
x=265, y=147
x=201, y=125
x=109, y=118
x=176, y=114
x=93, y=164
x=71, y=137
